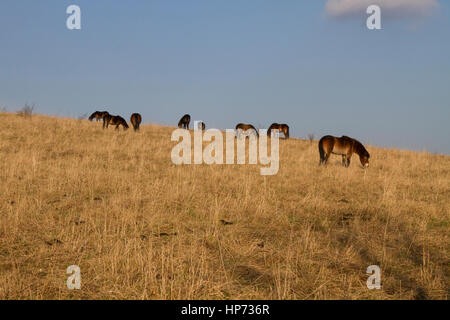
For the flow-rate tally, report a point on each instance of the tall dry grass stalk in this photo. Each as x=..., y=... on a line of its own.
x=26, y=111
x=140, y=227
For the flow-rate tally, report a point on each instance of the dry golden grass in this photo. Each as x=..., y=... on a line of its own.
x=140, y=227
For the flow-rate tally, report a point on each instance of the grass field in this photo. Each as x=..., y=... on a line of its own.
x=140, y=227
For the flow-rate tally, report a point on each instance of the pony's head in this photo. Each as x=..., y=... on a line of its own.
x=364, y=158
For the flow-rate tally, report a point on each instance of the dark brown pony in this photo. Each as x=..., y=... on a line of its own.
x=136, y=120
x=98, y=115
x=245, y=127
x=115, y=121
x=280, y=127
x=201, y=125
x=184, y=122
x=344, y=146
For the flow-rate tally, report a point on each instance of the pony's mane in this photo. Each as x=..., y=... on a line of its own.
x=360, y=149
x=358, y=146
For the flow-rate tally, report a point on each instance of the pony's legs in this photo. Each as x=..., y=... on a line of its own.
x=324, y=160
x=348, y=157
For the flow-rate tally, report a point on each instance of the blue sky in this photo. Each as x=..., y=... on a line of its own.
x=232, y=61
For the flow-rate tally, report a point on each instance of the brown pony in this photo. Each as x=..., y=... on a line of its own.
x=184, y=122
x=115, y=121
x=344, y=146
x=202, y=126
x=98, y=115
x=245, y=127
x=136, y=120
x=281, y=128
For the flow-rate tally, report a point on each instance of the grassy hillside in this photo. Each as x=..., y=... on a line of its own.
x=140, y=227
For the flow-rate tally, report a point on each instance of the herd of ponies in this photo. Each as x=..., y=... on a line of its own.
x=343, y=146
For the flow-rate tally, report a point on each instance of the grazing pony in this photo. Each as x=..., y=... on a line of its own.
x=136, y=120
x=281, y=128
x=202, y=126
x=344, y=146
x=245, y=127
x=98, y=115
x=184, y=122
x=115, y=121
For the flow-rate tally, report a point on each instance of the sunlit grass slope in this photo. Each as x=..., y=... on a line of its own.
x=140, y=227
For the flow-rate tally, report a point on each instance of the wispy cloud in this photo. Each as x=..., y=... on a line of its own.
x=390, y=8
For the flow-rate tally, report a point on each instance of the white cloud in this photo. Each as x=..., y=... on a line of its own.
x=389, y=8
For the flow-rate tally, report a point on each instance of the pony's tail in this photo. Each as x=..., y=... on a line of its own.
x=321, y=152
x=287, y=133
